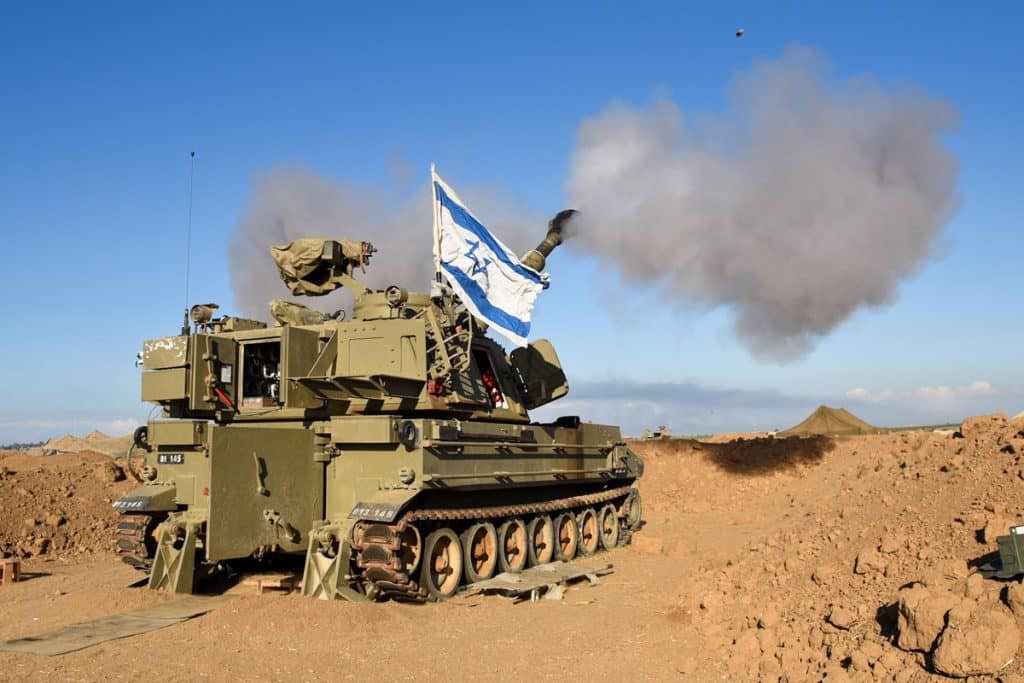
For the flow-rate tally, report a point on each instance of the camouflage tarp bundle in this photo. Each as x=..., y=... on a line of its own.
x=290, y=313
x=303, y=268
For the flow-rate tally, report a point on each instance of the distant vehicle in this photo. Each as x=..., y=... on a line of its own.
x=662, y=432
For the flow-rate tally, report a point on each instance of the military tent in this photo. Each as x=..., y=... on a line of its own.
x=827, y=421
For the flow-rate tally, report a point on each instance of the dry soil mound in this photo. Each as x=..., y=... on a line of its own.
x=57, y=505
x=806, y=545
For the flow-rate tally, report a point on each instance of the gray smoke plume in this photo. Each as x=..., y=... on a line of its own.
x=288, y=203
x=804, y=203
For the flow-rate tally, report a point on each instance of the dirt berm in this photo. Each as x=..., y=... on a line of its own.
x=762, y=559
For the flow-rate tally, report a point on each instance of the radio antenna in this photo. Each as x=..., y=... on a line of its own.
x=188, y=238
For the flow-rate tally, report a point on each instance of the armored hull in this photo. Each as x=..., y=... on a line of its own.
x=394, y=449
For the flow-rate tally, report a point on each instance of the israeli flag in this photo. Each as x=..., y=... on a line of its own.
x=486, y=275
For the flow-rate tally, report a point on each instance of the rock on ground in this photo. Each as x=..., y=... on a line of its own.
x=978, y=640
x=921, y=616
x=109, y=472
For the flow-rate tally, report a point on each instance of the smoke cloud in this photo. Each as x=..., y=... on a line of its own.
x=807, y=201
x=288, y=203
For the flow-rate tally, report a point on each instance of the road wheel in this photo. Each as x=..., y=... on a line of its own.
x=540, y=534
x=480, y=550
x=608, y=526
x=567, y=538
x=512, y=546
x=590, y=539
x=441, y=572
x=632, y=510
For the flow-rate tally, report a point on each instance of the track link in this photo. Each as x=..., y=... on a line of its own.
x=378, y=547
x=134, y=539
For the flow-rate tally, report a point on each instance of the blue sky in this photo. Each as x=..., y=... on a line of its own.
x=102, y=104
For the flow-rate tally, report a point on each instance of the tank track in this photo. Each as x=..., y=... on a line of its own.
x=377, y=556
x=134, y=543
x=377, y=546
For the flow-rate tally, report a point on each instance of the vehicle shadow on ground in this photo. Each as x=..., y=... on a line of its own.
x=767, y=454
x=236, y=576
x=29, y=576
x=990, y=560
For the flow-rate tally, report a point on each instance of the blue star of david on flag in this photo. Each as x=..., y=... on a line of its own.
x=479, y=263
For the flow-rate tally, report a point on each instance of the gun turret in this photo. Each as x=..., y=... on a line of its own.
x=537, y=257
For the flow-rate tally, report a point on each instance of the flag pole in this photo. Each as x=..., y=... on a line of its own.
x=436, y=206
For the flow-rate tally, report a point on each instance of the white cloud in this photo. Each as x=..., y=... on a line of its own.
x=936, y=394
x=121, y=426
x=934, y=404
x=979, y=387
x=939, y=393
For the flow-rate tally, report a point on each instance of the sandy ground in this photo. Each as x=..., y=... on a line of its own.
x=762, y=559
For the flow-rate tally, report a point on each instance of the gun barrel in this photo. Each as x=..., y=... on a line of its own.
x=537, y=257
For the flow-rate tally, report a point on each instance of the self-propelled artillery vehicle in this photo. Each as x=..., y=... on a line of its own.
x=393, y=448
